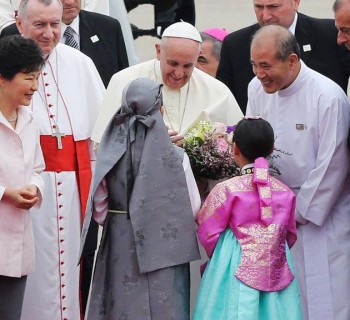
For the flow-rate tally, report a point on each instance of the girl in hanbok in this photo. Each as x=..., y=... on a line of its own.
x=21, y=162
x=247, y=227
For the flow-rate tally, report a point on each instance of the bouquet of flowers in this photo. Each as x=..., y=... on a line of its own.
x=209, y=148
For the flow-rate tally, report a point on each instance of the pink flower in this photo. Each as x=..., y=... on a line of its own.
x=222, y=144
x=220, y=128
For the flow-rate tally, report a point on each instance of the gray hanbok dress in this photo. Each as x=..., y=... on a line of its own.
x=142, y=267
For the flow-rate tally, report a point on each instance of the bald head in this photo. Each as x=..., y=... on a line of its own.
x=274, y=55
x=281, y=38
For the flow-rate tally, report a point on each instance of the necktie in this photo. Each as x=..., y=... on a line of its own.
x=70, y=41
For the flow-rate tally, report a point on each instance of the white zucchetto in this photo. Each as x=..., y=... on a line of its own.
x=182, y=30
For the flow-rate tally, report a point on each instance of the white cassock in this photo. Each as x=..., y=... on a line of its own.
x=69, y=95
x=311, y=122
x=202, y=98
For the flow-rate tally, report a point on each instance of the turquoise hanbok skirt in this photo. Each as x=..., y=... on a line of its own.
x=223, y=297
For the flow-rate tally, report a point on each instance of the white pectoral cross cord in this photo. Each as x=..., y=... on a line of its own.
x=58, y=135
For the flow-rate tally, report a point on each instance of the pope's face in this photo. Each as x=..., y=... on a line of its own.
x=177, y=57
x=71, y=9
x=342, y=22
x=280, y=12
x=207, y=62
x=42, y=24
x=273, y=73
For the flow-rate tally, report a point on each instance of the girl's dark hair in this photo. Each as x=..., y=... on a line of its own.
x=18, y=54
x=254, y=138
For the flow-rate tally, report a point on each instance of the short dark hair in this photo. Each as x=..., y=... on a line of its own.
x=254, y=138
x=18, y=54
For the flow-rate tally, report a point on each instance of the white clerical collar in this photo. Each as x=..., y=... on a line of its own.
x=75, y=26
x=294, y=24
x=297, y=84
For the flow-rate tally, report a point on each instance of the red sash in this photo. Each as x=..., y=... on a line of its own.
x=74, y=156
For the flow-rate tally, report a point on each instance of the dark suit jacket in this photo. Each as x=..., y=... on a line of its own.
x=108, y=53
x=325, y=56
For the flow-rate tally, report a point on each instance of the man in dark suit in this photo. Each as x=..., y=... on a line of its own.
x=317, y=39
x=99, y=37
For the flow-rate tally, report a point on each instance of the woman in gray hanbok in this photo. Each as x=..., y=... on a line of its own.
x=140, y=195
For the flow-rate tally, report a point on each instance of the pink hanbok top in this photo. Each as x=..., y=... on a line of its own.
x=259, y=210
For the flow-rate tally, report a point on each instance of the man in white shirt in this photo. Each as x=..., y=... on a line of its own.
x=310, y=117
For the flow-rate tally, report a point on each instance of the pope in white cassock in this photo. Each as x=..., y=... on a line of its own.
x=189, y=94
x=310, y=117
x=65, y=106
